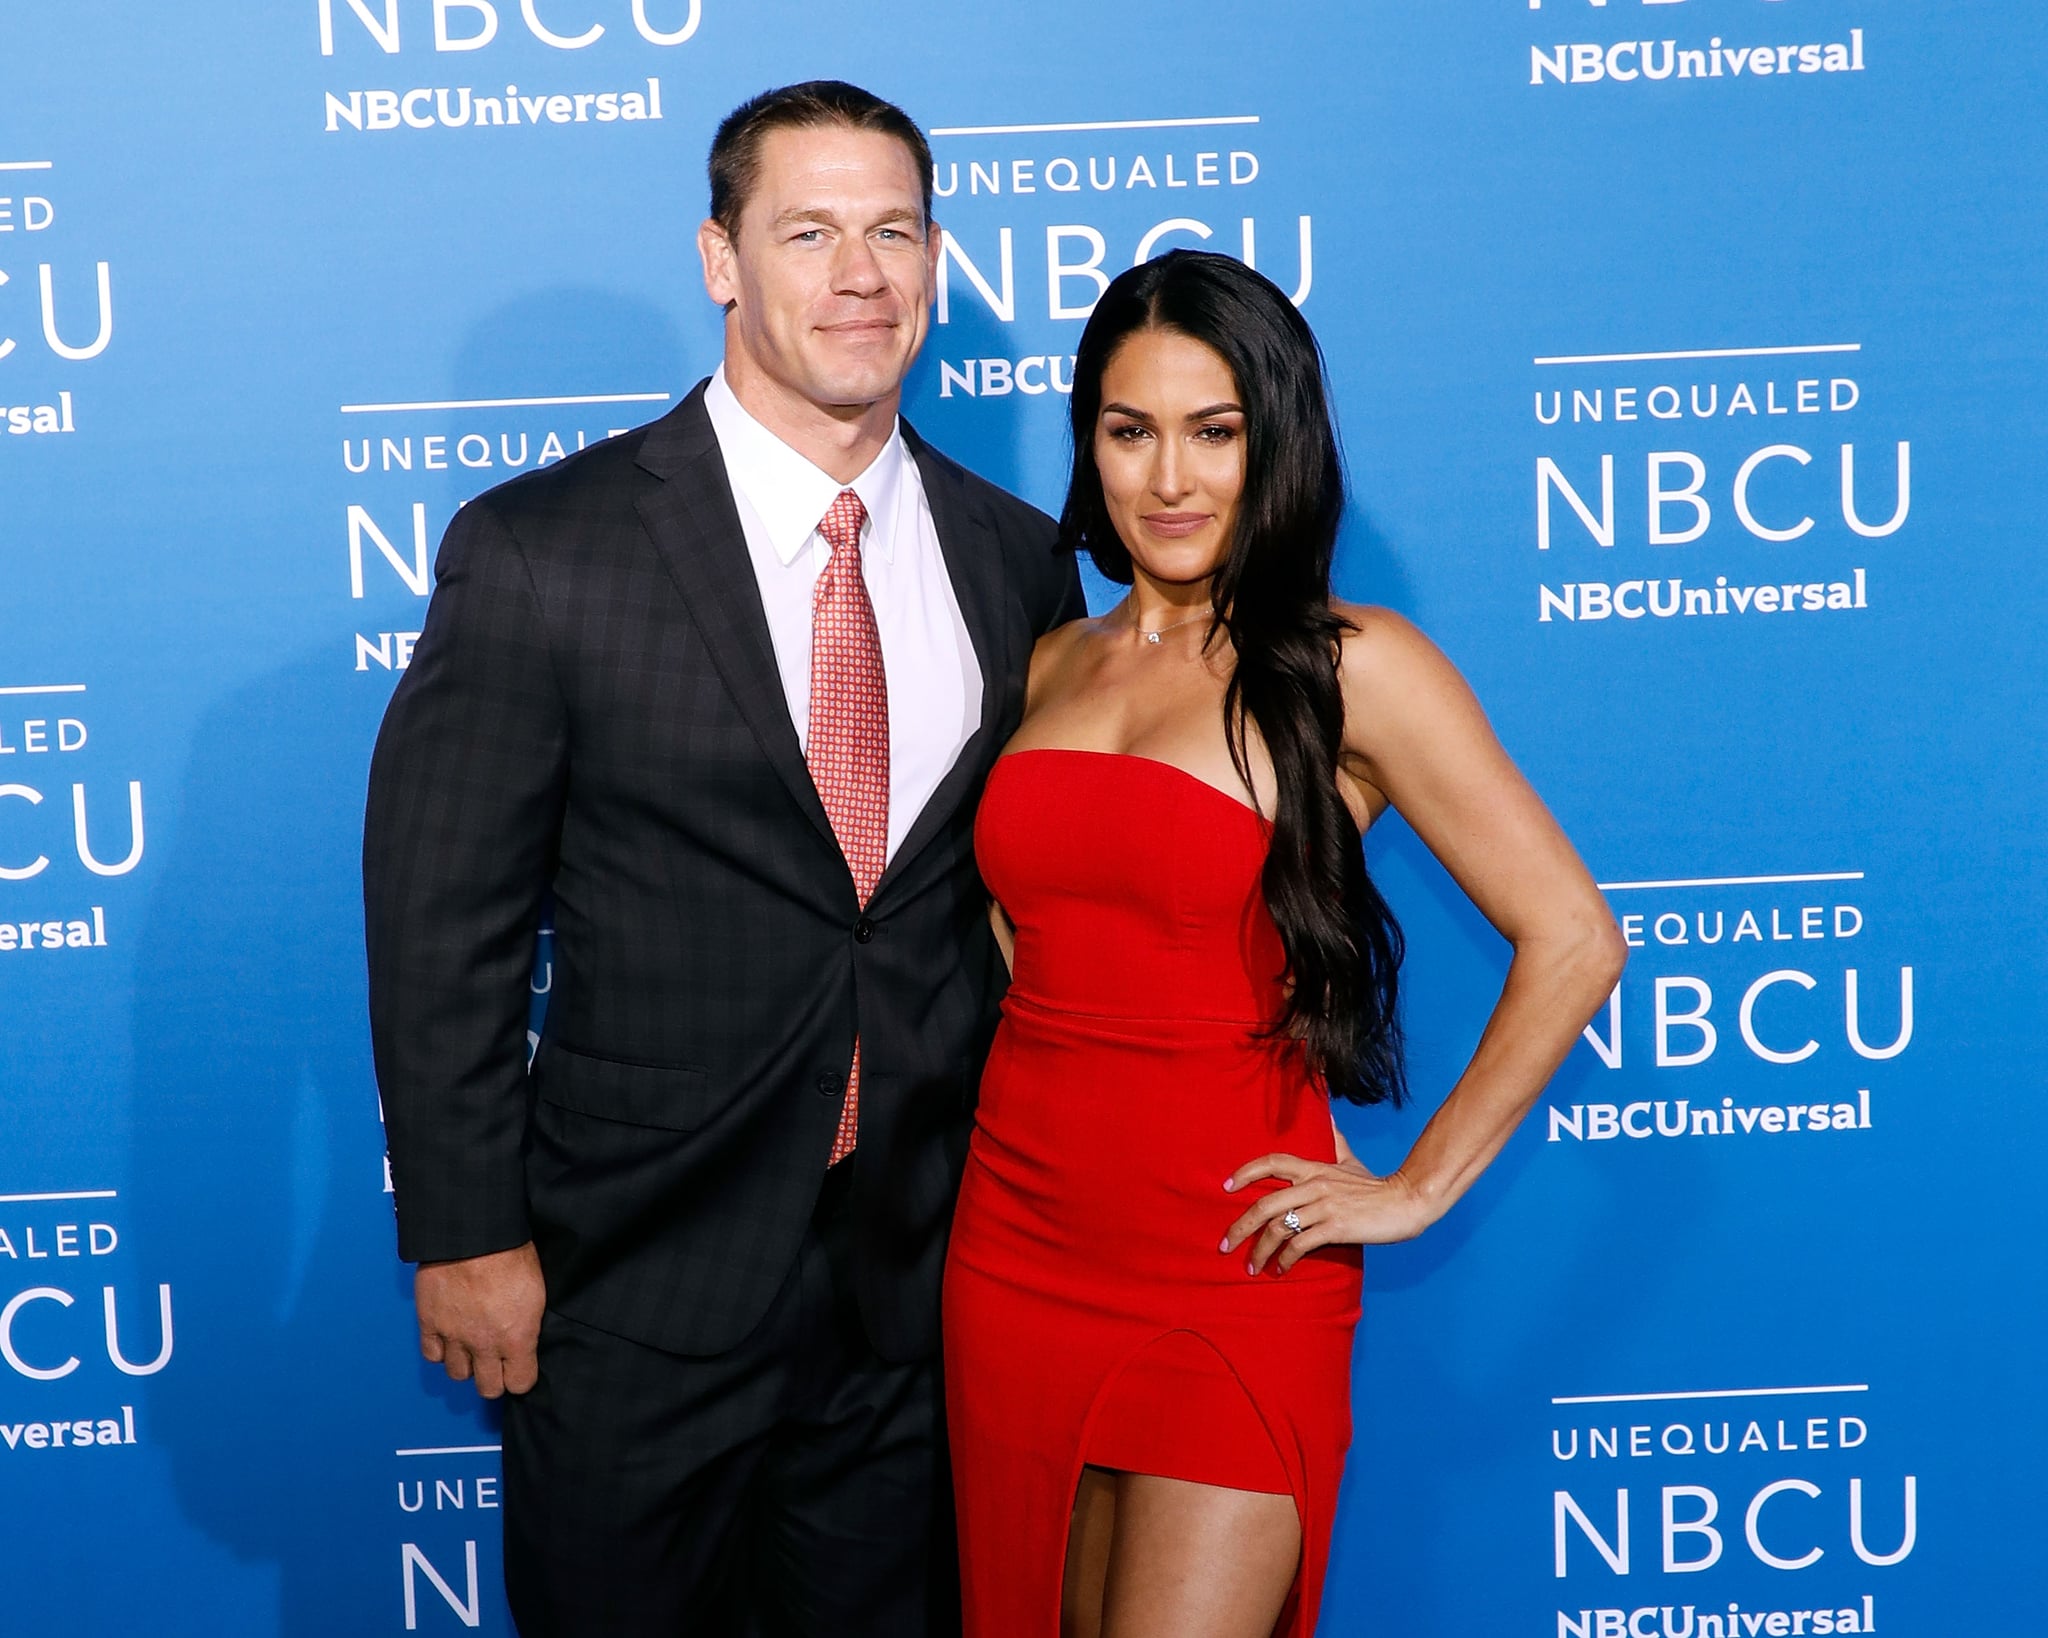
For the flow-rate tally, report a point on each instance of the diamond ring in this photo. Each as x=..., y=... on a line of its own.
x=1291, y=1222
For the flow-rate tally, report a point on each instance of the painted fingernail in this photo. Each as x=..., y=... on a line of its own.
x=1229, y=1185
x=1225, y=1246
x=1249, y=1269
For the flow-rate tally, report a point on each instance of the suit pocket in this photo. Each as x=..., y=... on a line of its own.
x=669, y=1098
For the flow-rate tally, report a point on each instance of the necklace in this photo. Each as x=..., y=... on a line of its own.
x=1154, y=635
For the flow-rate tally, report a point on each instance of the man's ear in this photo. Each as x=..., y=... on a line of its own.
x=721, y=263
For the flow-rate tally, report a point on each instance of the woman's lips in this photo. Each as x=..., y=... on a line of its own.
x=1175, y=523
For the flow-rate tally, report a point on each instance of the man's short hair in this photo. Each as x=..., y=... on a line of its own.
x=736, y=149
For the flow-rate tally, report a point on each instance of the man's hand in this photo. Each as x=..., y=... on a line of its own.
x=480, y=1317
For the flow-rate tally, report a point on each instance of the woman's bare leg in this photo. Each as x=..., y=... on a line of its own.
x=1088, y=1543
x=1196, y=1560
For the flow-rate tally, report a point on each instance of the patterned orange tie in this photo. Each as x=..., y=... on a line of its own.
x=848, y=746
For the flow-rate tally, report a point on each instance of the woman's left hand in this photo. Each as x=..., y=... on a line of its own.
x=1336, y=1204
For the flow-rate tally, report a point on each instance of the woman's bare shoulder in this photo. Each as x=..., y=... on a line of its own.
x=1064, y=637
x=1060, y=643
x=1380, y=645
x=1052, y=655
x=1396, y=682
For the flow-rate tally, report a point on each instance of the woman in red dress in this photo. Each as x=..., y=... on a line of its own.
x=1155, y=1267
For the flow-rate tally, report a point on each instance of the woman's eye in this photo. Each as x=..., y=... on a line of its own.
x=1127, y=434
x=1217, y=434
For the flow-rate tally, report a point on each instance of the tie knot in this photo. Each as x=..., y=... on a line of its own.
x=841, y=524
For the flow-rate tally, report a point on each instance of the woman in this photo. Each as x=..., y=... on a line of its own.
x=1154, y=1273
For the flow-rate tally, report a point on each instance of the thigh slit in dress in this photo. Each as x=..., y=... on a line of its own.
x=1090, y=1317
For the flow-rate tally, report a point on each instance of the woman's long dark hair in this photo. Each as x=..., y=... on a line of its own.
x=1272, y=597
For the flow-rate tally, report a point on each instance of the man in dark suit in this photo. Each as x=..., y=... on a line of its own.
x=727, y=688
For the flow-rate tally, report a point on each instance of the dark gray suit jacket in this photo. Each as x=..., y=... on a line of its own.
x=594, y=710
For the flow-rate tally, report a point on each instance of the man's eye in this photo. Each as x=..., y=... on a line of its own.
x=809, y=236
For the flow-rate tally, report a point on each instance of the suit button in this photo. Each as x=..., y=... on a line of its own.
x=829, y=1084
x=863, y=930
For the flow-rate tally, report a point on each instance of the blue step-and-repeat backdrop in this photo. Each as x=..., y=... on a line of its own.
x=1690, y=362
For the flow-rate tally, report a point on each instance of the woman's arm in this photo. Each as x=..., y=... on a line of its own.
x=1416, y=738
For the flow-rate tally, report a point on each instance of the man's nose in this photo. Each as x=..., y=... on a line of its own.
x=855, y=270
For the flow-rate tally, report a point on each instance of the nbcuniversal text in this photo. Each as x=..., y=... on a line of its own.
x=47, y=1331
x=463, y=27
x=1677, y=512
x=1781, y=1013
x=1588, y=600
x=41, y=821
x=1682, y=1621
x=38, y=1362
x=73, y=1327
x=1787, y=1521
x=35, y=214
x=1779, y=490
x=77, y=1433
x=61, y=302
x=423, y=109
x=1684, y=1031
x=1626, y=62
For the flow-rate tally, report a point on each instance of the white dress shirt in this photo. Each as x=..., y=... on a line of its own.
x=934, y=679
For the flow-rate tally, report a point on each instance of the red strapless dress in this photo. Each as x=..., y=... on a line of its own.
x=1089, y=1317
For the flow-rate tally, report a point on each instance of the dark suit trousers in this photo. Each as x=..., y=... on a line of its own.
x=795, y=1485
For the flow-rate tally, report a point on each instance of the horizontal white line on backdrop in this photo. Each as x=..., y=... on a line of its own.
x=25, y=165
x=74, y=1194
x=1735, y=881
x=1701, y=352
x=1707, y=1393
x=1092, y=125
x=510, y=403
x=452, y=1450
x=47, y=688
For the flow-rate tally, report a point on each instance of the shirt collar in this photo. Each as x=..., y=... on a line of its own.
x=788, y=493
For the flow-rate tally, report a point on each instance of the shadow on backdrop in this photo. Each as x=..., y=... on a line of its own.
x=298, y=1367
x=575, y=339
x=299, y=1372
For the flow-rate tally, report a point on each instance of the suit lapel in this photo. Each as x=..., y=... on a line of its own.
x=695, y=527
x=974, y=565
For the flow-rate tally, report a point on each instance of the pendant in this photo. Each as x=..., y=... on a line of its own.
x=1151, y=636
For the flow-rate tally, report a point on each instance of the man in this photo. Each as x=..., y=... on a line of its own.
x=727, y=687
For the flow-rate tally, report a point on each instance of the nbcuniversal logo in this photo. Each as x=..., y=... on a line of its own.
x=1627, y=62
x=463, y=26
x=471, y=25
x=1698, y=1501
x=1807, y=1003
x=1038, y=217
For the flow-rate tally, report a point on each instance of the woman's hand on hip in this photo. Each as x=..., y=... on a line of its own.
x=1336, y=1204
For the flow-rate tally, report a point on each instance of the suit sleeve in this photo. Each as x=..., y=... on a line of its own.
x=459, y=838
